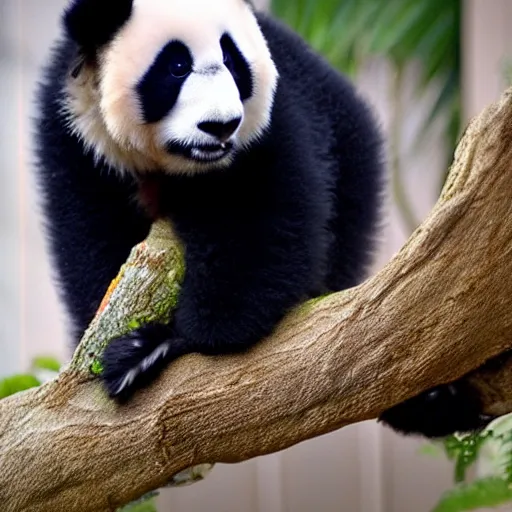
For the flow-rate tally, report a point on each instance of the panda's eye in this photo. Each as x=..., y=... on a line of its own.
x=180, y=66
x=179, y=59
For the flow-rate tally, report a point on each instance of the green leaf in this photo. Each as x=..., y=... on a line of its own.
x=496, y=458
x=464, y=450
x=400, y=29
x=487, y=492
x=46, y=363
x=16, y=383
x=448, y=93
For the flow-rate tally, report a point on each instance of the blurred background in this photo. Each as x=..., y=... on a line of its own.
x=427, y=66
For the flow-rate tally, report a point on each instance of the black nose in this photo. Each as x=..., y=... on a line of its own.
x=220, y=130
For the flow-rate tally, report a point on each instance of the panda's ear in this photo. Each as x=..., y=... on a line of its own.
x=93, y=23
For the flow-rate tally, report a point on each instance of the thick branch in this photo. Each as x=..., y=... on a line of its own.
x=438, y=310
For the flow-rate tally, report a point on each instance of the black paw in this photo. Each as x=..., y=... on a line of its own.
x=439, y=412
x=135, y=360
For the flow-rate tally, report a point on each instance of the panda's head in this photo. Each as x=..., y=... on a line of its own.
x=173, y=85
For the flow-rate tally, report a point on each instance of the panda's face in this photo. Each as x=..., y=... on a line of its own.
x=181, y=87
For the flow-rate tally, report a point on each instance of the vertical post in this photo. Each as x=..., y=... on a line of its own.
x=12, y=166
x=486, y=41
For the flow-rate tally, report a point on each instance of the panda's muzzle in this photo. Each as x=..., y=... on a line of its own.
x=200, y=152
x=220, y=130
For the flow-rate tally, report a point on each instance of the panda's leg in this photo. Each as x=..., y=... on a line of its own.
x=220, y=311
x=135, y=360
x=92, y=224
x=445, y=409
x=238, y=284
x=438, y=412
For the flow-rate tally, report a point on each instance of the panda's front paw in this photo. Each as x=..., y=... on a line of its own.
x=135, y=360
x=438, y=412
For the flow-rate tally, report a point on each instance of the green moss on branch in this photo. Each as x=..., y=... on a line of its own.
x=145, y=290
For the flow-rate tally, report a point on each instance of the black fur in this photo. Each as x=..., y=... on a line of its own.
x=439, y=412
x=445, y=409
x=130, y=353
x=159, y=88
x=238, y=66
x=293, y=217
x=92, y=23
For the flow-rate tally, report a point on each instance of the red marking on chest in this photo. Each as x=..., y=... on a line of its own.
x=149, y=197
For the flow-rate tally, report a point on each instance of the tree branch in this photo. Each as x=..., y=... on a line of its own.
x=438, y=310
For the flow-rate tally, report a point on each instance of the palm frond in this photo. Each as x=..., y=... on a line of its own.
x=349, y=32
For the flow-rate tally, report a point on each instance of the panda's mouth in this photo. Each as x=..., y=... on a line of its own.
x=210, y=153
x=201, y=153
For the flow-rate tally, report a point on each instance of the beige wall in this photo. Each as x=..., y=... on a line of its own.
x=362, y=468
x=32, y=321
x=488, y=46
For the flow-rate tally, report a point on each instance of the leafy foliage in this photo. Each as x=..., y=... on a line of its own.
x=46, y=363
x=464, y=451
x=16, y=383
x=20, y=382
x=486, y=492
x=350, y=32
x=491, y=449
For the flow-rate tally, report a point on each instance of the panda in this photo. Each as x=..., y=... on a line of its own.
x=219, y=118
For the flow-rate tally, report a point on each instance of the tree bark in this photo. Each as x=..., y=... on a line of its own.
x=440, y=309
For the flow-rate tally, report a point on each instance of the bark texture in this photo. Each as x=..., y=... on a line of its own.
x=439, y=310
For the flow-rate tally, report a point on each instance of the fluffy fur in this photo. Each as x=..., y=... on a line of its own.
x=104, y=112
x=265, y=159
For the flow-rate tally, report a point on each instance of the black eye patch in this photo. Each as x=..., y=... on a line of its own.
x=159, y=88
x=238, y=66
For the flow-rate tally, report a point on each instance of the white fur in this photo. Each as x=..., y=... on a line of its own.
x=103, y=109
x=147, y=362
x=205, y=97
